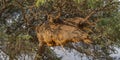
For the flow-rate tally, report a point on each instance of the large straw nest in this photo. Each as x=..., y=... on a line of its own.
x=68, y=30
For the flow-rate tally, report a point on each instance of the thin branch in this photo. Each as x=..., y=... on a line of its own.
x=99, y=9
x=4, y=8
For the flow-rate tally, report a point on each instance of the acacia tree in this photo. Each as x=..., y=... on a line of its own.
x=22, y=21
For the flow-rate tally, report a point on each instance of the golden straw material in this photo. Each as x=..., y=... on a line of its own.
x=61, y=34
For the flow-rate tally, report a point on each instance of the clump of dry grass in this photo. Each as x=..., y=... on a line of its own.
x=55, y=34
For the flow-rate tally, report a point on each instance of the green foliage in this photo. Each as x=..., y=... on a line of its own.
x=19, y=37
x=39, y=2
x=90, y=3
x=25, y=37
x=78, y=1
x=112, y=28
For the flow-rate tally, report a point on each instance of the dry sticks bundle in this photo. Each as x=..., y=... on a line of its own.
x=63, y=31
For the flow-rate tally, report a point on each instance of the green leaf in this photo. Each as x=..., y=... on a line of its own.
x=39, y=2
x=27, y=37
x=78, y=1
